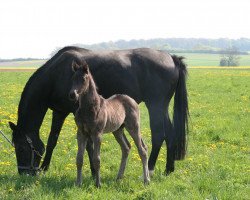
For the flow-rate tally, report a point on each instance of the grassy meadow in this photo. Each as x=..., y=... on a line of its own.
x=203, y=59
x=216, y=167
x=22, y=64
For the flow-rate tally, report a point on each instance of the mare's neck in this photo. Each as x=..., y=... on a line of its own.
x=30, y=120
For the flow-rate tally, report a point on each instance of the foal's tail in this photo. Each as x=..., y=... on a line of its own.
x=180, y=118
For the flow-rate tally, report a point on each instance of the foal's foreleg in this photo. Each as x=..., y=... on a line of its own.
x=90, y=150
x=96, y=156
x=125, y=147
x=82, y=142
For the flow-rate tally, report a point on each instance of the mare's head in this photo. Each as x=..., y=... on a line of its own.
x=80, y=80
x=28, y=150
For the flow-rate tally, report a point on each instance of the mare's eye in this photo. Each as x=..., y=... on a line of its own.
x=21, y=149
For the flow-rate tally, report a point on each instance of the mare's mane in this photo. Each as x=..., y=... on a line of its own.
x=37, y=74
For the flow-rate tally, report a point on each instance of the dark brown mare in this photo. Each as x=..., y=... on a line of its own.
x=144, y=74
x=96, y=115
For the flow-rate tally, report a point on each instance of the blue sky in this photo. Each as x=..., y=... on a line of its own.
x=31, y=28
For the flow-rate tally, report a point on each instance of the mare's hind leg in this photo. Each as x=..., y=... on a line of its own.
x=156, y=115
x=57, y=122
x=134, y=131
x=170, y=145
x=82, y=142
x=125, y=147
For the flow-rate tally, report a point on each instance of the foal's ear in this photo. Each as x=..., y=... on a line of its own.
x=75, y=66
x=85, y=68
x=12, y=126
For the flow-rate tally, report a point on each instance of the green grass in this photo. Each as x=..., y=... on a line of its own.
x=217, y=165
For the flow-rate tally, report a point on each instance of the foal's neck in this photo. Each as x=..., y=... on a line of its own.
x=91, y=97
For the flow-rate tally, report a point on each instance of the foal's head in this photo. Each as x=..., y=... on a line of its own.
x=80, y=80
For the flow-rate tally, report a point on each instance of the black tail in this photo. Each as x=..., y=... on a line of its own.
x=180, y=118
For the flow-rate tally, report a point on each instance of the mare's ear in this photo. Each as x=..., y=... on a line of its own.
x=12, y=126
x=75, y=66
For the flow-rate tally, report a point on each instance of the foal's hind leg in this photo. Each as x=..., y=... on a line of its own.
x=125, y=147
x=82, y=142
x=133, y=129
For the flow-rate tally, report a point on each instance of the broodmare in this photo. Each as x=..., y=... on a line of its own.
x=144, y=74
x=97, y=115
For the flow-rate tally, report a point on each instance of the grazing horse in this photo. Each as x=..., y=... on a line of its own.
x=97, y=115
x=144, y=74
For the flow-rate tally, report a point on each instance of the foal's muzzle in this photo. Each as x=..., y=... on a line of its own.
x=73, y=95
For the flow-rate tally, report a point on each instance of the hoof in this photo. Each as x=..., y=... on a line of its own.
x=119, y=178
x=44, y=168
x=147, y=181
x=78, y=183
x=169, y=171
x=151, y=173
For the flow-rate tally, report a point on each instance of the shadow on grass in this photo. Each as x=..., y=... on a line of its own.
x=54, y=184
x=48, y=184
x=60, y=185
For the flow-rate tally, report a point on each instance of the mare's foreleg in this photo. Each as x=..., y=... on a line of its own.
x=82, y=142
x=125, y=147
x=57, y=122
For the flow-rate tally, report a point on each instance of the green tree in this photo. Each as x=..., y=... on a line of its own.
x=230, y=57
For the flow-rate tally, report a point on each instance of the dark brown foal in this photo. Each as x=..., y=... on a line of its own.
x=97, y=115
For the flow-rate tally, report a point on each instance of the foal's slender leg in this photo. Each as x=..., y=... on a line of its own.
x=125, y=147
x=90, y=150
x=144, y=145
x=133, y=129
x=82, y=142
x=96, y=137
x=57, y=122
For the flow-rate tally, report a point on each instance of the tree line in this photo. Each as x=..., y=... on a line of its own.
x=189, y=45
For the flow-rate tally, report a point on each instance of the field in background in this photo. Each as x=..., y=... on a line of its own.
x=22, y=64
x=199, y=59
x=192, y=59
x=217, y=165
